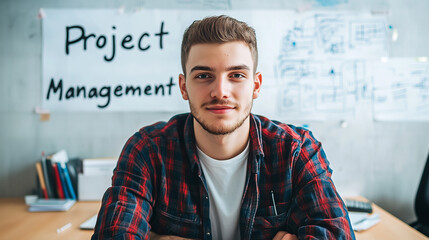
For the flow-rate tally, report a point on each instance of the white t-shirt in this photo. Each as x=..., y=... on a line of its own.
x=225, y=182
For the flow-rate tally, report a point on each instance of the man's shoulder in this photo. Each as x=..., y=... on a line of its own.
x=273, y=129
x=172, y=128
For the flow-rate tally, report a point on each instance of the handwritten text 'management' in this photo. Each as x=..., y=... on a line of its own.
x=106, y=92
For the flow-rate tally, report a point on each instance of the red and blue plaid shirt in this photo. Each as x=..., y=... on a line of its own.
x=158, y=186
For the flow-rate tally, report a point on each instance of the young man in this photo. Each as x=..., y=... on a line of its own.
x=221, y=172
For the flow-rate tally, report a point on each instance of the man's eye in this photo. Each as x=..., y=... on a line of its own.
x=238, y=75
x=202, y=76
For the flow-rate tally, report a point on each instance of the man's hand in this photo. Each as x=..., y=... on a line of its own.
x=155, y=236
x=285, y=236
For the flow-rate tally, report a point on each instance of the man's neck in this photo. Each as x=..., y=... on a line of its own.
x=222, y=147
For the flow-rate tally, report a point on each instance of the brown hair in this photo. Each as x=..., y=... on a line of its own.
x=218, y=29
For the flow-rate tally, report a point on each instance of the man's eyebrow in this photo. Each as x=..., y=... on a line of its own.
x=232, y=68
x=202, y=68
x=238, y=67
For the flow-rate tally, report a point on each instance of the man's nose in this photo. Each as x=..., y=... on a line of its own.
x=221, y=88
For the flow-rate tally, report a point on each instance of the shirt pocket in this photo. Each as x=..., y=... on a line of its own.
x=267, y=224
x=181, y=224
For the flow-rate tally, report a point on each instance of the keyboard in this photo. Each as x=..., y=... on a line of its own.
x=358, y=206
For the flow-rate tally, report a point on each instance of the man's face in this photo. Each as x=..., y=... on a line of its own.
x=220, y=85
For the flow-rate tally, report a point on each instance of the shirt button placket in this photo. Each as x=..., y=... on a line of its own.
x=207, y=228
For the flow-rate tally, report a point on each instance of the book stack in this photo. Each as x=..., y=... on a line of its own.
x=57, y=176
x=50, y=205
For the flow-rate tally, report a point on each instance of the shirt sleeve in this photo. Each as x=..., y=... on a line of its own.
x=317, y=210
x=126, y=206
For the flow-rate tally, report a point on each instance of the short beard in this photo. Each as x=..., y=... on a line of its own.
x=221, y=130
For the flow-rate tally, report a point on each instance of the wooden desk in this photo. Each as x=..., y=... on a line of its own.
x=17, y=223
x=389, y=227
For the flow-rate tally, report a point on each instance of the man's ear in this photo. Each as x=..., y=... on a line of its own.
x=257, y=85
x=182, y=86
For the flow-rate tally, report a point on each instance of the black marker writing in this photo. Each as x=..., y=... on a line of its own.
x=76, y=34
x=105, y=92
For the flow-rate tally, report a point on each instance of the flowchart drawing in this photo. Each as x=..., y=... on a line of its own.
x=319, y=88
x=401, y=90
x=322, y=66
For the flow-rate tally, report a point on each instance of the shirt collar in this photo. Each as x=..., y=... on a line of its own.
x=256, y=136
x=190, y=143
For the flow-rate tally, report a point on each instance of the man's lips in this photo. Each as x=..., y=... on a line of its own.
x=217, y=107
x=220, y=108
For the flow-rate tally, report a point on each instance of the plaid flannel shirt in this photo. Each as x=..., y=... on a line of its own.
x=158, y=186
